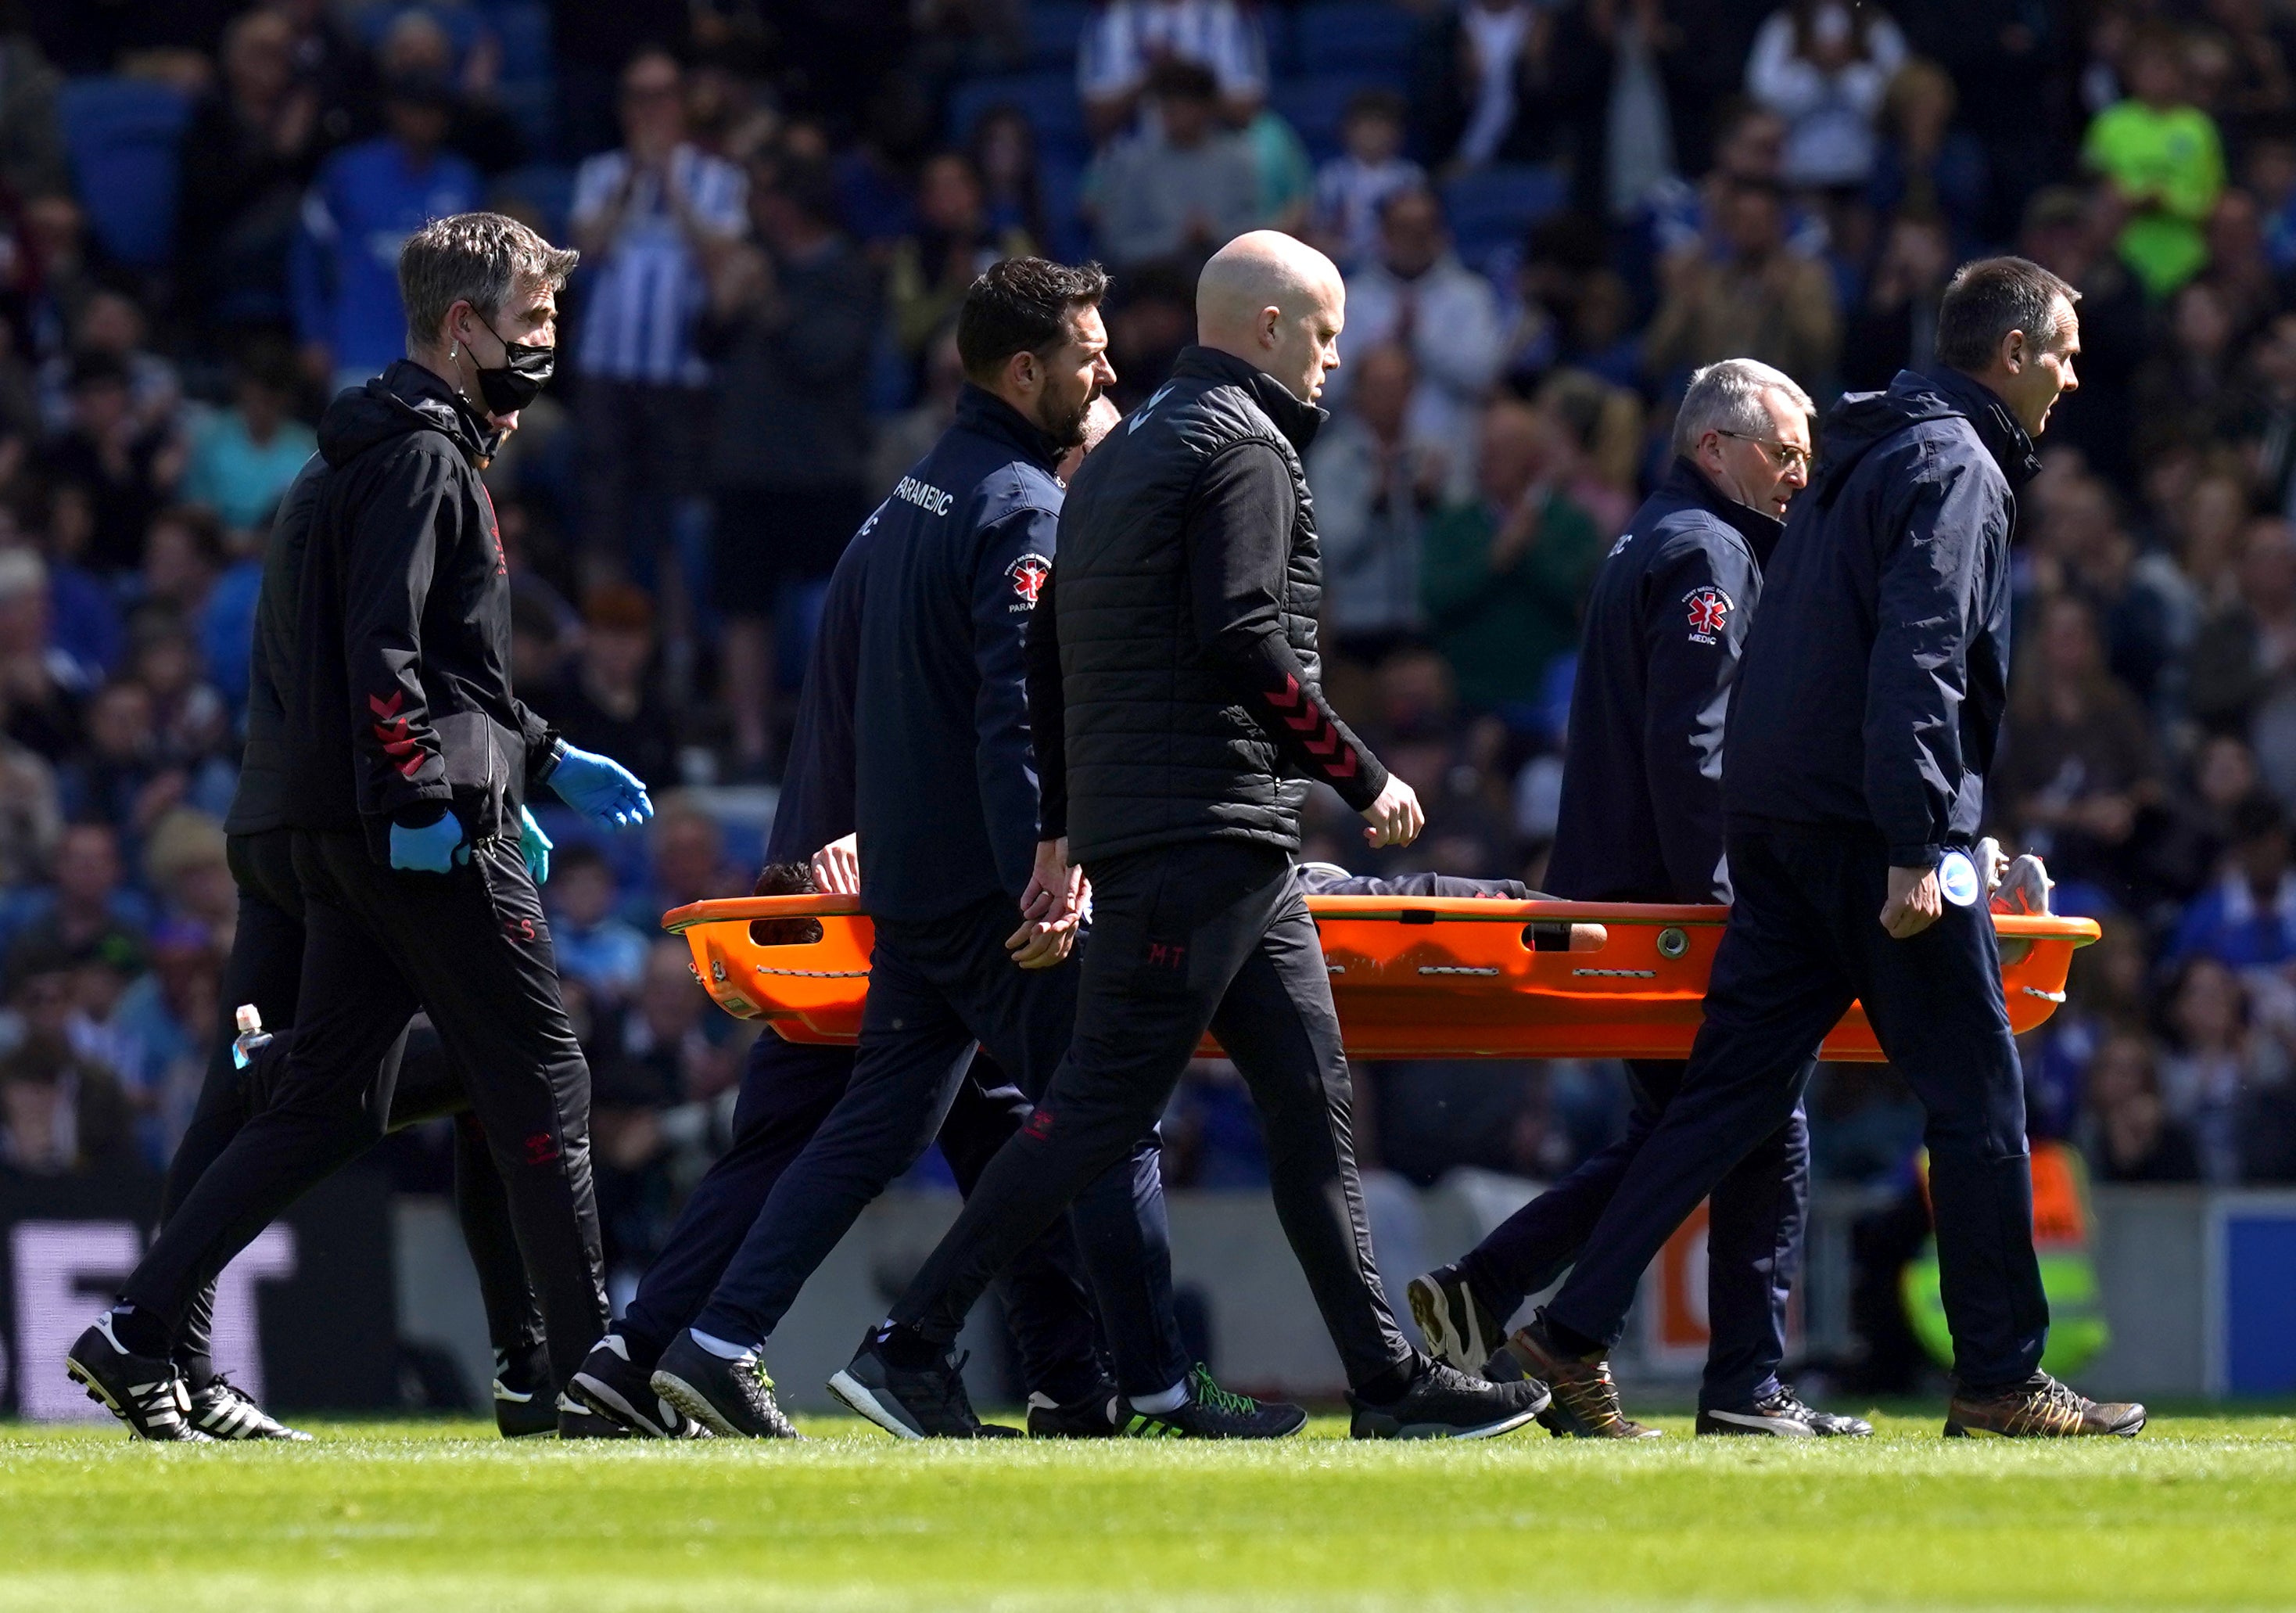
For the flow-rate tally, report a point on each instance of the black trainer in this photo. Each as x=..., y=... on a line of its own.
x=225, y=1410
x=732, y=1398
x=1458, y=1327
x=613, y=1385
x=1783, y=1414
x=1444, y=1403
x=912, y=1402
x=145, y=1392
x=1211, y=1412
x=1091, y=1416
x=524, y=1406
x=577, y=1420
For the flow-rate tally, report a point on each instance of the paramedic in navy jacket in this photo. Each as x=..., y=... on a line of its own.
x=1863, y=726
x=1641, y=821
x=789, y=1089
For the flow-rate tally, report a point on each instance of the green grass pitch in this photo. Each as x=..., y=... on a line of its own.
x=2198, y=1512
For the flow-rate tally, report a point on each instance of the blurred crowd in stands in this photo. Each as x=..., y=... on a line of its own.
x=1548, y=211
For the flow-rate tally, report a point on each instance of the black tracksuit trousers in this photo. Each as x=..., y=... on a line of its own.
x=1753, y=1239
x=1803, y=942
x=787, y=1092
x=266, y=968
x=473, y=947
x=1203, y=935
x=934, y=988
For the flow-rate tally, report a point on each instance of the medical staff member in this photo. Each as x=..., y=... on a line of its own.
x=945, y=797
x=408, y=760
x=1177, y=713
x=1641, y=820
x=1866, y=713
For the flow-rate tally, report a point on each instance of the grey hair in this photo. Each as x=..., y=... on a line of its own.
x=1728, y=396
x=482, y=258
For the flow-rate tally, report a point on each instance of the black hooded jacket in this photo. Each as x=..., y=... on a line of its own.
x=400, y=705
x=261, y=801
x=1871, y=694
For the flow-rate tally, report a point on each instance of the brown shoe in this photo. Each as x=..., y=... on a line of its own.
x=1586, y=1401
x=2040, y=1408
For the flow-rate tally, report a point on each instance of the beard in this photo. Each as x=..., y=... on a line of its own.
x=1063, y=419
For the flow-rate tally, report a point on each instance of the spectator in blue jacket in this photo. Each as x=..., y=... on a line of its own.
x=2247, y=919
x=368, y=199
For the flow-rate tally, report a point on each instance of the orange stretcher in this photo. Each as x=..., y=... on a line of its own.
x=1414, y=977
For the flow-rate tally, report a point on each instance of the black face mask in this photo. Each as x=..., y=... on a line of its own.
x=526, y=370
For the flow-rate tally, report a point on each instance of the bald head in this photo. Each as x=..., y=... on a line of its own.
x=1276, y=303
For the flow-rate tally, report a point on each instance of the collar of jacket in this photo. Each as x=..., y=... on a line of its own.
x=2006, y=441
x=422, y=390
x=979, y=410
x=1298, y=422
x=1759, y=529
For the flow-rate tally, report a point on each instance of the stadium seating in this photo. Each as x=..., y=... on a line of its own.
x=1048, y=99
x=462, y=24
x=523, y=27
x=548, y=187
x=123, y=136
x=1055, y=31
x=1360, y=36
x=1315, y=106
x=1061, y=178
x=1490, y=210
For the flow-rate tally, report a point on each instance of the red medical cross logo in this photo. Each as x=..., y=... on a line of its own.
x=1710, y=608
x=1028, y=574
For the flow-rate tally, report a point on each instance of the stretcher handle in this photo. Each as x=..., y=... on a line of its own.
x=2034, y=927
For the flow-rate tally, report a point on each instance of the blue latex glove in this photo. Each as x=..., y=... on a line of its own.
x=533, y=845
x=599, y=788
x=435, y=848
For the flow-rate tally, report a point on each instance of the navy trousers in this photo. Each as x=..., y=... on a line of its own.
x=787, y=1091
x=934, y=989
x=1803, y=942
x=1753, y=1239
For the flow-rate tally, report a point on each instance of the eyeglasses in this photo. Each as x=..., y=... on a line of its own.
x=1787, y=456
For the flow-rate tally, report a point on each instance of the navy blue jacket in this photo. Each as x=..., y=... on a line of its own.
x=1641, y=818
x=1873, y=686
x=816, y=800
x=946, y=778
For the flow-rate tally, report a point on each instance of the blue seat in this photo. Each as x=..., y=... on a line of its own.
x=1341, y=35
x=532, y=105
x=1060, y=179
x=523, y=27
x=1048, y=100
x=1276, y=36
x=1491, y=208
x=123, y=136
x=548, y=187
x=463, y=24
x=1055, y=29
x=1316, y=107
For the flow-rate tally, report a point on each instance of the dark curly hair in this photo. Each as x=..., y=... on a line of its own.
x=1022, y=305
